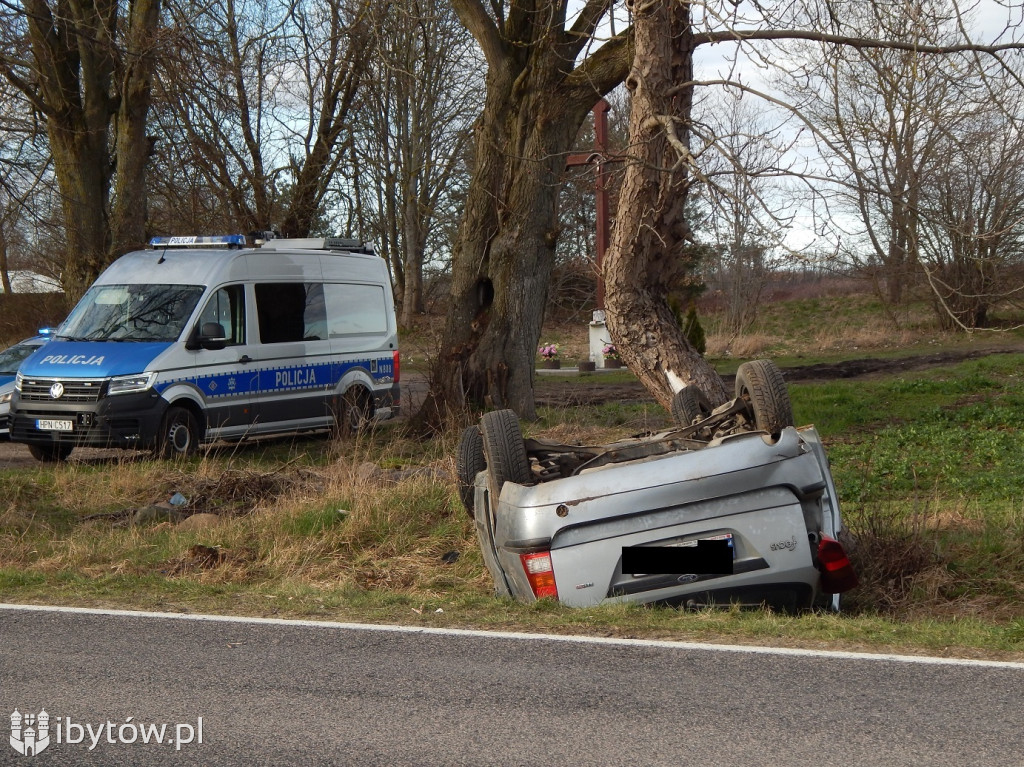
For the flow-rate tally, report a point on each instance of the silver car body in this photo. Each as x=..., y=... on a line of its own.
x=772, y=498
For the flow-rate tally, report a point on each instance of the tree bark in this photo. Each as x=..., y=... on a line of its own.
x=537, y=98
x=94, y=67
x=648, y=254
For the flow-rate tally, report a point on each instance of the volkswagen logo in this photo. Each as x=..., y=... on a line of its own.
x=57, y=390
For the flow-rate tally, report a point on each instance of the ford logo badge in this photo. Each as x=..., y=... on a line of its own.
x=57, y=390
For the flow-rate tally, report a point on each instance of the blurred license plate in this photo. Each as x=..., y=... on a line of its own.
x=44, y=424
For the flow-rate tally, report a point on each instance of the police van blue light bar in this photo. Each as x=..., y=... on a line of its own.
x=212, y=241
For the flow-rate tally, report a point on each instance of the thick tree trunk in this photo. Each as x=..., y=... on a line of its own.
x=648, y=253
x=412, y=271
x=502, y=259
x=94, y=67
x=82, y=171
x=503, y=255
x=133, y=147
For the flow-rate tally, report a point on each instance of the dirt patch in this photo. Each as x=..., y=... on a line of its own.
x=555, y=393
x=562, y=394
x=828, y=371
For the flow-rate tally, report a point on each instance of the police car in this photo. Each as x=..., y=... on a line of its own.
x=205, y=338
x=10, y=359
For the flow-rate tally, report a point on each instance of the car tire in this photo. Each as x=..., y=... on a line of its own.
x=469, y=461
x=179, y=435
x=55, y=452
x=504, y=452
x=761, y=383
x=352, y=412
x=690, y=404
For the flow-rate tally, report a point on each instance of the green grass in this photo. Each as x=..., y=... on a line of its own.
x=928, y=466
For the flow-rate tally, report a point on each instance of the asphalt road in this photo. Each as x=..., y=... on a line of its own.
x=288, y=693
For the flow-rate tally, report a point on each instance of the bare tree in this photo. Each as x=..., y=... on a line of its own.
x=256, y=105
x=880, y=116
x=739, y=197
x=648, y=249
x=912, y=138
x=414, y=128
x=972, y=216
x=86, y=67
x=24, y=165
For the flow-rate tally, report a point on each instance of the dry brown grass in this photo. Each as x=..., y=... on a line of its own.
x=925, y=564
x=746, y=346
x=876, y=334
x=293, y=522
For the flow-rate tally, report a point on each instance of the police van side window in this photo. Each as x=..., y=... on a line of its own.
x=290, y=311
x=355, y=310
x=227, y=307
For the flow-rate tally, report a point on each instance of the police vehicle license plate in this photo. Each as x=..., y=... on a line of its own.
x=48, y=425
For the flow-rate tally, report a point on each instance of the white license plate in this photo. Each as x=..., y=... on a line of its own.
x=48, y=425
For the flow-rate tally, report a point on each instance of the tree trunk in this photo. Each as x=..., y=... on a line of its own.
x=503, y=255
x=133, y=147
x=648, y=254
x=82, y=173
x=5, y=277
x=93, y=66
x=413, y=224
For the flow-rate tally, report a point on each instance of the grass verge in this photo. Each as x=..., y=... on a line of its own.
x=926, y=465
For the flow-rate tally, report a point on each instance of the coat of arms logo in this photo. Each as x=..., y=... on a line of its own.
x=30, y=733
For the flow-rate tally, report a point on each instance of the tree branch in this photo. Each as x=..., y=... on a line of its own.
x=475, y=18
x=604, y=68
x=739, y=35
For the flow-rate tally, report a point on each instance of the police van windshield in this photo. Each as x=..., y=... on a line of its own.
x=131, y=313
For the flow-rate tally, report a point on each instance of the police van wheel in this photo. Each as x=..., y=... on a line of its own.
x=52, y=453
x=179, y=437
x=352, y=412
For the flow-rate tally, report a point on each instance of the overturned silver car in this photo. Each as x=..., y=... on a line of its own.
x=735, y=506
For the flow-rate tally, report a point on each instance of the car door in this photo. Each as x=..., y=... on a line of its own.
x=228, y=378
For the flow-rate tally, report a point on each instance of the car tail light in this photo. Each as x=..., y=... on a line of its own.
x=540, y=574
x=837, y=573
x=395, y=357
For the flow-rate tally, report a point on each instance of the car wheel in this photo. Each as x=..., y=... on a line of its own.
x=352, y=412
x=761, y=383
x=469, y=462
x=504, y=452
x=179, y=437
x=55, y=452
x=690, y=404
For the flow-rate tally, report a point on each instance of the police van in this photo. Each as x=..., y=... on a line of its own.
x=205, y=338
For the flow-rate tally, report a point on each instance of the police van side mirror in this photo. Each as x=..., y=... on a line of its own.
x=210, y=336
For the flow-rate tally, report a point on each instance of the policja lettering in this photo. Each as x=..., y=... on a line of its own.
x=74, y=359
x=299, y=377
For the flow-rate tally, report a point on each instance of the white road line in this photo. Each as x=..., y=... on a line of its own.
x=664, y=644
